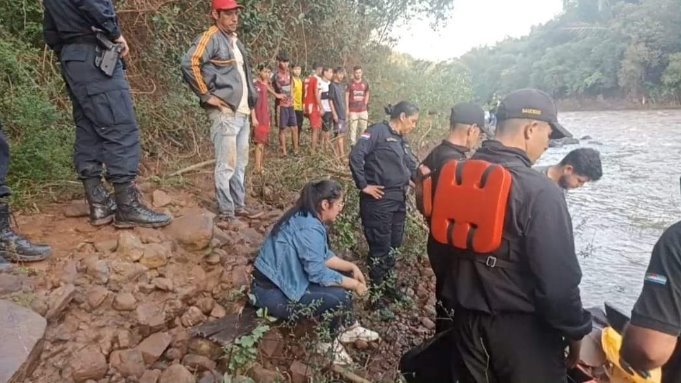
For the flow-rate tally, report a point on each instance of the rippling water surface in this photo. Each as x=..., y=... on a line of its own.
x=618, y=219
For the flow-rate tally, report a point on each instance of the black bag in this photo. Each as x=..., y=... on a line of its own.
x=432, y=361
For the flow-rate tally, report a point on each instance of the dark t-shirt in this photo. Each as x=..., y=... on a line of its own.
x=282, y=83
x=337, y=96
x=659, y=305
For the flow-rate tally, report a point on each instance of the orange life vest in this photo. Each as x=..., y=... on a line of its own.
x=468, y=207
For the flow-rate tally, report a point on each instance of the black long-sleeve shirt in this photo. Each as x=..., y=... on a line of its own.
x=65, y=20
x=537, y=237
x=382, y=157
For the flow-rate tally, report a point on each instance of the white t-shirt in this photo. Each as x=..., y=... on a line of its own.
x=323, y=87
x=239, y=58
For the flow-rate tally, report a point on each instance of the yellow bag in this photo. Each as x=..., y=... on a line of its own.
x=612, y=342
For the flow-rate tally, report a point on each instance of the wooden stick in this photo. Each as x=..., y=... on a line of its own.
x=192, y=167
x=348, y=375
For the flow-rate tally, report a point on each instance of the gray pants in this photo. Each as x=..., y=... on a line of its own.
x=230, y=133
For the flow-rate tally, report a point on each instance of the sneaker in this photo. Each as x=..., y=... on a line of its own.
x=357, y=332
x=245, y=213
x=340, y=357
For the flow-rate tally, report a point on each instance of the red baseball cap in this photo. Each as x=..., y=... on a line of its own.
x=225, y=5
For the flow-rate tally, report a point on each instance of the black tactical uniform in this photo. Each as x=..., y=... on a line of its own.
x=468, y=115
x=106, y=126
x=382, y=157
x=516, y=307
x=13, y=247
x=437, y=252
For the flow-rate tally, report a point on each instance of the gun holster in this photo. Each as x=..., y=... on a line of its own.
x=108, y=54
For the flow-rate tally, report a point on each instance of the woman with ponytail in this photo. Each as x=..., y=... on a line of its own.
x=296, y=269
x=382, y=166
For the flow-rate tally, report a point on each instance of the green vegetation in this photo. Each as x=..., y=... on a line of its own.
x=36, y=111
x=618, y=49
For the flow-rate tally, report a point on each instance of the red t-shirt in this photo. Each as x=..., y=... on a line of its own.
x=357, y=92
x=310, y=99
x=262, y=106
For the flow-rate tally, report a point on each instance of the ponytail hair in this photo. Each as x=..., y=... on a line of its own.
x=405, y=107
x=310, y=200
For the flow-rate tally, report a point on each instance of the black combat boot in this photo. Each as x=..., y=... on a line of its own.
x=131, y=212
x=14, y=247
x=102, y=206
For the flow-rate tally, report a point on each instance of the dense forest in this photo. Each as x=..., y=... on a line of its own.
x=623, y=50
x=627, y=50
x=35, y=109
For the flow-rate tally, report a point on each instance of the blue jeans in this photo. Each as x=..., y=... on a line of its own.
x=324, y=301
x=230, y=134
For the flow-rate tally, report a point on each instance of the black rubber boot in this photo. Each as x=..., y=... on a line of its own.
x=102, y=206
x=14, y=247
x=131, y=212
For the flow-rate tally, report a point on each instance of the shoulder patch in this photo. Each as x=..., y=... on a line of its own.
x=365, y=136
x=656, y=278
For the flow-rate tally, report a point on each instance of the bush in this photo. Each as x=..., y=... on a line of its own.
x=40, y=134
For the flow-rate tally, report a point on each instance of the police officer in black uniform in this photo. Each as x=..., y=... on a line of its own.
x=13, y=247
x=518, y=307
x=382, y=166
x=466, y=128
x=106, y=126
x=652, y=338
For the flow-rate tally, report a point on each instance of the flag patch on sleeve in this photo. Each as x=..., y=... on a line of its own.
x=365, y=136
x=656, y=278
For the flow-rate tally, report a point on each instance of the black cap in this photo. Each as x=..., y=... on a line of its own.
x=468, y=113
x=532, y=104
x=282, y=56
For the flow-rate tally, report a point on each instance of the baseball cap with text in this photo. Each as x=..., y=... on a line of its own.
x=532, y=104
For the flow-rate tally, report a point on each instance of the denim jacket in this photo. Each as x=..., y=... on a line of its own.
x=295, y=256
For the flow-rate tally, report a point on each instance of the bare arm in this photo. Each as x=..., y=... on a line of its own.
x=342, y=265
x=645, y=349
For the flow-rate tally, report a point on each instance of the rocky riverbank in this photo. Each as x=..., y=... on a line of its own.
x=118, y=306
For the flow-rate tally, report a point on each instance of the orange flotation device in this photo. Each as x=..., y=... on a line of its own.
x=468, y=207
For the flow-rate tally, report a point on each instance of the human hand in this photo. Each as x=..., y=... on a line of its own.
x=254, y=121
x=574, y=349
x=125, y=49
x=357, y=274
x=218, y=103
x=361, y=289
x=375, y=191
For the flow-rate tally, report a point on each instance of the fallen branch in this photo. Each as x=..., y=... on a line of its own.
x=192, y=167
x=348, y=375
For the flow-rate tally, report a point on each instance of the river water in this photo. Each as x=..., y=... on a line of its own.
x=618, y=219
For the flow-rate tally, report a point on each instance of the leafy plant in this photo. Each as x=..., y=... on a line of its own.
x=243, y=353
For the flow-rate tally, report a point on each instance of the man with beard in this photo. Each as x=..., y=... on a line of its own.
x=576, y=169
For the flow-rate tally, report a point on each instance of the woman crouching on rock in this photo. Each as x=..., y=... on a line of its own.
x=296, y=269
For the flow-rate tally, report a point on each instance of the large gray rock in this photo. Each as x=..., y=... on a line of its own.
x=21, y=334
